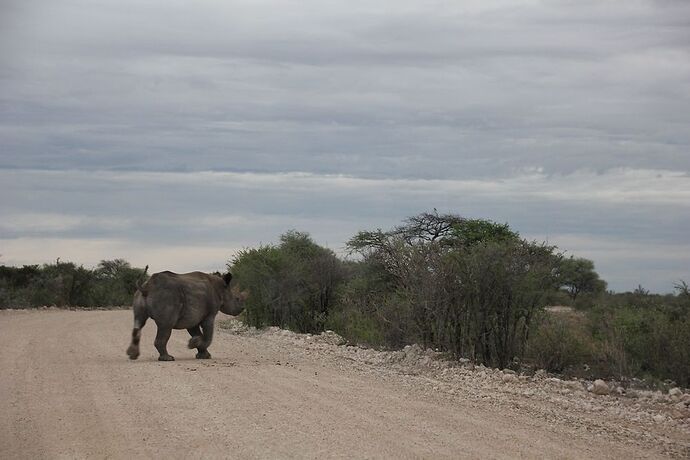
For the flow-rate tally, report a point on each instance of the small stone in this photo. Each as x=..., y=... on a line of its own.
x=539, y=375
x=675, y=392
x=331, y=338
x=659, y=418
x=509, y=378
x=600, y=387
x=509, y=371
x=413, y=351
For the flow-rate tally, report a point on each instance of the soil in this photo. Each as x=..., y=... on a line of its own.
x=68, y=390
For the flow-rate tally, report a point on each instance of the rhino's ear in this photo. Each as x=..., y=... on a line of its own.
x=227, y=277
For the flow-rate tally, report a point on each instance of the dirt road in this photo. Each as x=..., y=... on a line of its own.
x=69, y=391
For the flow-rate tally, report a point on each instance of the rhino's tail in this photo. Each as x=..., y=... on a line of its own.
x=140, y=282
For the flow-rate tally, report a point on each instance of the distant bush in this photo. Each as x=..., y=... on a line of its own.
x=115, y=282
x=65, y=284
x=652, y=341
x=633, y=334
x=577, y=276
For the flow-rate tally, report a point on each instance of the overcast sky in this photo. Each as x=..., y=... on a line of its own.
x=174, y=133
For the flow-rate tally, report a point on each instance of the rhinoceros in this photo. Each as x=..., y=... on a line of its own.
x=183, y=301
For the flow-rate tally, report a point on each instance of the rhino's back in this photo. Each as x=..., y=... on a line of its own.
x=181, y=300
x=166, y=281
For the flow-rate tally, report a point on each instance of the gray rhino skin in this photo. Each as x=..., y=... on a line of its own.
x=187, y=301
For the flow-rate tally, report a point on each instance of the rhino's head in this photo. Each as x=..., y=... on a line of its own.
x=233, y=298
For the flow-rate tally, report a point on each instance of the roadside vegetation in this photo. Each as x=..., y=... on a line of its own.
x=473, y=289
x=65, y=284
x=470, y=288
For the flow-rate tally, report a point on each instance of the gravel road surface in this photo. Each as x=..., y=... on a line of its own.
x=69, y=391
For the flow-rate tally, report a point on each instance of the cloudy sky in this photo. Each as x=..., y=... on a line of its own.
x=174, y=133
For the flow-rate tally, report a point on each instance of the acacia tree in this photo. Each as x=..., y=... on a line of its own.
x=473, y=231
x=469, y=286
x=578, y=276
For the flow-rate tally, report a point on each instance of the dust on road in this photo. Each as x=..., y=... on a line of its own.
x=68, y=390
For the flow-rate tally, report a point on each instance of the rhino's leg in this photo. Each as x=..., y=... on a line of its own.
x=197, y=341
x=161, y=343
x=197, y=337
x=140, y=318
x=207, y=328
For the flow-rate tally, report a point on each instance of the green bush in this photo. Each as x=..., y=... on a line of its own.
x=500, y=288
x=561, y=342
x=585, y=301
x=651, y=341
x=115, y=282
x=65, y=284
x=356, y=327
x=291, y=285
x=357, y=313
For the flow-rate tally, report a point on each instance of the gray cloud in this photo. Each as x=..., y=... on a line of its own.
x=556, y=116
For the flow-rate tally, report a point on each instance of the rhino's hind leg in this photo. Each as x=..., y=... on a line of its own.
x=203, y=354
x=139, y=321
x=197, y=338
x=197, y=341
x=207, y=329
x=161, y=343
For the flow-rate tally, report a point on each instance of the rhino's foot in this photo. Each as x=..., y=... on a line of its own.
x=166, y=358
x=133, y=352
x=203, y=355
x=195, y=341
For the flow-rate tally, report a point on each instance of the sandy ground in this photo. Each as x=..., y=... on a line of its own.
x=69, y=391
